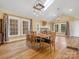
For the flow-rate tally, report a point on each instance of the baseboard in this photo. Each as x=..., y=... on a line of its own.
x=74, y=36
x=73, y=48
x=15, y=41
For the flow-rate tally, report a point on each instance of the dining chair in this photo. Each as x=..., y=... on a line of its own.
x=50, y=41
x=35, y=40
x=42, y=40
x=53, y=37
x=45, y=42
x=33, y=37
x=28, y=39
x=30, y=36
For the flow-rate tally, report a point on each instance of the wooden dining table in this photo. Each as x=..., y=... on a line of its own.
x=42, y=43
x=42, y=35
x=45, y=38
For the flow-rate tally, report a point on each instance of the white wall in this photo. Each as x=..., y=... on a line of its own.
x=74, y=28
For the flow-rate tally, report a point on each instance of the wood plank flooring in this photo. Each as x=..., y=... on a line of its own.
x=19, y=50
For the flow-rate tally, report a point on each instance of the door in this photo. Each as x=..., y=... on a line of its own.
x=60, y=28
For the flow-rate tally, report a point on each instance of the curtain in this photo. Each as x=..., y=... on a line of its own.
x=67, y=29
x=4, y=31
x=0, y=31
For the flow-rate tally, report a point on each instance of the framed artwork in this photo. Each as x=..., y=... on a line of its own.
x=44, y=23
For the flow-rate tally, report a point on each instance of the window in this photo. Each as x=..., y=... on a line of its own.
x=13, y=27
x=63, y=27
x=52, y=28
x=17, y=26
x=37, y=27
x=25, y=27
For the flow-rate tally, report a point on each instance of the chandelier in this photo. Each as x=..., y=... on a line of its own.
x=38, y=7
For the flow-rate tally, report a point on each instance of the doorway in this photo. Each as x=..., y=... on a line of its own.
x=60, y=28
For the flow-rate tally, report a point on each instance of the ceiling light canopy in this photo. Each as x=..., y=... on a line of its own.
x=70, y=9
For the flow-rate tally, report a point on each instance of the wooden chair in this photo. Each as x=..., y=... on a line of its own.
x=52, y=40
x=28, y=38
x=53, y=37
x=45, y=43
x=41, y=43
x=35, y=39
x=32, y=39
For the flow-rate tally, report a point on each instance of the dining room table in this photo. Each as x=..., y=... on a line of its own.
x=42, y=38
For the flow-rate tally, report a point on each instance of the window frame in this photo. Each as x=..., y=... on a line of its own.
x=14, y=18
x=22, y=25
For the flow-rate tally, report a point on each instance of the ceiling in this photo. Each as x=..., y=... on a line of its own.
x=24, y=7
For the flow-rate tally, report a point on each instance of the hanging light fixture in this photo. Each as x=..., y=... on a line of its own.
x=38, y=7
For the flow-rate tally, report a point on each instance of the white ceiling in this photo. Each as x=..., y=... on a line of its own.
x=25, y=7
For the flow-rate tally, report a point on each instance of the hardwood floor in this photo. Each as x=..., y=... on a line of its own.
x=19, y=50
